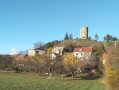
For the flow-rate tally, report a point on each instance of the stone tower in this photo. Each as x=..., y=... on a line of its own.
x=84, y=33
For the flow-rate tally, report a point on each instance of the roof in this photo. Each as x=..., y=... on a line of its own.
x=84, y=49
x=21, y=56
x=15, y=55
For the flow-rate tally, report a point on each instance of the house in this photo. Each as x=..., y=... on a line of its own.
x=58, y=50
x=33, y=52
x=83, y=53
x=54, y=55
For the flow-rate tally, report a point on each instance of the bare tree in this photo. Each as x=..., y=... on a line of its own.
x=93, y=60
x=38, y=45
x=52, y=65
x=5, y=62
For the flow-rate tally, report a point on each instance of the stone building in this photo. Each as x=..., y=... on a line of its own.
x=58, y=50
x=33, y=52
x=83, y=53
x=84, y=33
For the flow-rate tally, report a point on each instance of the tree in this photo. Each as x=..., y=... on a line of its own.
x=109, y=38
x=96, y=37
x=51, y=65
x=101, y=50
x=50, y=44
x=66, y=36
x=29, y=64
x=70, y=62
x=93, y=60
x=114, y=39
x=69, y=48
x=112, y=68
x=5, y=62
x=38, y=45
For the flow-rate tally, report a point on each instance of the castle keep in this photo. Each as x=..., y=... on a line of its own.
x=84, y=33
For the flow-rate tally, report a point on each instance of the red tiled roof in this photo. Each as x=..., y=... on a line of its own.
x=21, y=56
x=84, y=49
x=15, y=55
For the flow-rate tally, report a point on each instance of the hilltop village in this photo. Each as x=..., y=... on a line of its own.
x=79, y=58
x=80, y=52
x=87, y=53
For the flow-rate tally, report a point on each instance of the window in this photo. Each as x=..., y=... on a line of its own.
x=80, y=50
x=77, y=54
x=81, y=54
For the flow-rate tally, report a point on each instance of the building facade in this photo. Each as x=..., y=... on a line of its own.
x=58, y=50
x=33, y=52
x=83, y=53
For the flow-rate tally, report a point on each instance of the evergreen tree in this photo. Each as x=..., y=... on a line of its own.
x=96, y=37
x=109, y=38
x=66, y=37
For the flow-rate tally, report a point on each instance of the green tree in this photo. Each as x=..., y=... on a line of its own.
x=66, y=36
x=109, y=38
x=101, y=50
x=96, y=37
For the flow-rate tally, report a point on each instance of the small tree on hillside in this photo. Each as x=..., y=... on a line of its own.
x=66, y=37
x=38, y=45
x=96, y=37
x=101, y=50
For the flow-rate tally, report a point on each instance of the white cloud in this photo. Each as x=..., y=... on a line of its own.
x=17, y=51
x=14, y=51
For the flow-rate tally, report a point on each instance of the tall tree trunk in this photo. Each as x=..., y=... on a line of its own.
x=72, y=73
x=50, y=74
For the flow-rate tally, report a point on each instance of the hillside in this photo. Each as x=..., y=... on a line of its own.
x=79, y=42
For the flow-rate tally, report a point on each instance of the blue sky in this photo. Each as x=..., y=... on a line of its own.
x=24, y=22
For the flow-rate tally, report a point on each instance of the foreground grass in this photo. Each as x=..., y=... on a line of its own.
x=18, y=81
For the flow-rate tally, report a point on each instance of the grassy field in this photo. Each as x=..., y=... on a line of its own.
x=20, y=81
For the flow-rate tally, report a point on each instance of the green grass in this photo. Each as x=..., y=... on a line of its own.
x=20, y=81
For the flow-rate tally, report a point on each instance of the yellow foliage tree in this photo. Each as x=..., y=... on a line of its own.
x=70, y=62
x=49, y=52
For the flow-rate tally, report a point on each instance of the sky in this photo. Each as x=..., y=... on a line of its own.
x=24, y=22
